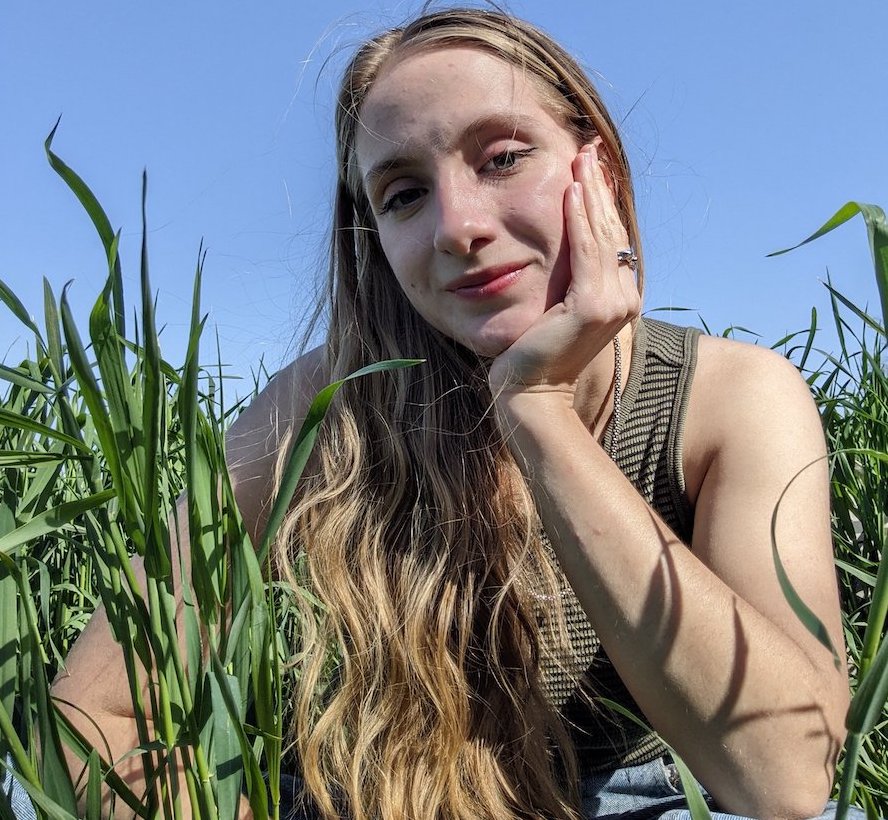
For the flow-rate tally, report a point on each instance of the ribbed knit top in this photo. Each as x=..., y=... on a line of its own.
x=649, y=452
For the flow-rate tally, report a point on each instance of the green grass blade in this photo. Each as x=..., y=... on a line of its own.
x=869, y=806
x=26, y=459
x=94, y=788
x=301, y=448
x=871, y=695
x=226, y=748
x=55, y=778
x=89, y=387
x=50, y=808
x=689, y=785
x=20, y=757
x=53, y=330
x=875, y=622
x=93, y=397
x=198, y=471
x=840, y=217
x=74, y=739
x=81, y=191
x=153, y=399
x=18, y=309
x=860, y=314
x=867, y=577
x=9, y=631
x=849, y=774
x=20, y=422
x=23, y=380
x=99, y=219
x=254, y=779
x=802, y=611
x=51, y=520
x=877, y=229
x=812, y=331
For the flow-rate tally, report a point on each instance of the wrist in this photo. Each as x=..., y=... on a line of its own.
x=534, y=405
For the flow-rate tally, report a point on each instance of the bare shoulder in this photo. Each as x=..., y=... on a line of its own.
x=253, y=441
x=284, y=399
x=747, y=400
x=755, y=462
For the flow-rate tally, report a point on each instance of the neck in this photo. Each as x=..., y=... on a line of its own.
x=594, y=401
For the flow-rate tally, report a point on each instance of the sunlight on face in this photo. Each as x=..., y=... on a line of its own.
x=466, y=169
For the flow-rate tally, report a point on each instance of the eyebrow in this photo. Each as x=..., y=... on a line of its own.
x=487, y=122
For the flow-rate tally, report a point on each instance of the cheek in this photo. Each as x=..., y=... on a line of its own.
x=398, y=260
x=406, y=252
x=409, y=271
x=543, y=200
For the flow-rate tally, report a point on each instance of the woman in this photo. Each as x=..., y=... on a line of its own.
x=564, y=501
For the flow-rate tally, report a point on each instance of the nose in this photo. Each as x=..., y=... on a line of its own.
x=464, y=218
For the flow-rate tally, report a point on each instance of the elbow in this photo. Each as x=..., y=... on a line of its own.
x=793, y=799
x=794, y=784
x=807, y=774
x=800, y=789
x=795, y=807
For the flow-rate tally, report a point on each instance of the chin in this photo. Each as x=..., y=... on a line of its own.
x=489, y=347
x=494, y=340
x=491, y=337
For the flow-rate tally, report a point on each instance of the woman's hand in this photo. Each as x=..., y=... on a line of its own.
x=601, y=298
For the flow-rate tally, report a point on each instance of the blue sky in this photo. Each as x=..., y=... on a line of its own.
x=747, y=125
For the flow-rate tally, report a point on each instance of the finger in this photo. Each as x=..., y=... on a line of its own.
x=614, y=282
x=600, y=205
x=604, y=222
x=585, y=263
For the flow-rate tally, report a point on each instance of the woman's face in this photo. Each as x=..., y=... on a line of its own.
x=466, y=169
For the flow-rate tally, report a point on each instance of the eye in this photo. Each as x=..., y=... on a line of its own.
x=506, y=160
x=400, y=200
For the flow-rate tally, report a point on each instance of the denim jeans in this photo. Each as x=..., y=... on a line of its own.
x=647, y=792
x=15, y=796
x=650, y=791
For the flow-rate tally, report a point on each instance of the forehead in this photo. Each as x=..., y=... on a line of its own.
x=424, y=99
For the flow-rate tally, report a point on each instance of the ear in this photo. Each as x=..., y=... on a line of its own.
x=607, y=164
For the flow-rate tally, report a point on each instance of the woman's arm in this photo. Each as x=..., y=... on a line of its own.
x=702, y=636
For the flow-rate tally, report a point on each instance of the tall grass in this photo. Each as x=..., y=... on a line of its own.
x=98, y=439
x=851, y=390
x=97, y=442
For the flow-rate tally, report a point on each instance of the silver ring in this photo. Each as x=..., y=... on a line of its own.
x=627, y=256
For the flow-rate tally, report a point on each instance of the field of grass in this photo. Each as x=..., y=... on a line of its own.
x=99, y=435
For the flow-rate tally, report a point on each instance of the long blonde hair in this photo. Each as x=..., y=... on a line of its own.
x=416, y=530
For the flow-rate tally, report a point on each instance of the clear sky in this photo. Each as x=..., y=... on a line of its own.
x=747, y=125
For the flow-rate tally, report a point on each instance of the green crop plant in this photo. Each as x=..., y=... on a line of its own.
x=851, y=390
x=99, y=439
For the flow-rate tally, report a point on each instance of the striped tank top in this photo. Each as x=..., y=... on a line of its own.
x=649, y=453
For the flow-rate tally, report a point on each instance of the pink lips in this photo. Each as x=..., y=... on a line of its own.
x=487, y=282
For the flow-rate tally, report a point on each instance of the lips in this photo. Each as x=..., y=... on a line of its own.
x=487, y=281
